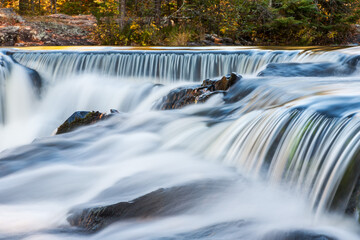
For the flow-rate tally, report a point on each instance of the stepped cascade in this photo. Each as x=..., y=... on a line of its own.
x=270, y=151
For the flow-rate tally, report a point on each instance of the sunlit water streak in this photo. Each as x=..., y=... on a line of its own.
x=278, y=154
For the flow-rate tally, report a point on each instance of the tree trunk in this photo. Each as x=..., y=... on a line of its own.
x=157, y=11
x=53, y=6
x=122, y=13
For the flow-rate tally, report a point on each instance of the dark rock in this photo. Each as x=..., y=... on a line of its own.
x=79, y=119
x=213, y=39
x=209, y=37
x=114, y=111
x=228, y=40
x=208, y=43
x=181, y=97
x=162, y=202
x=222, y=84
x=297, y=235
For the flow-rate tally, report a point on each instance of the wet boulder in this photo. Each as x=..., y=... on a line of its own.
x=160, y=203
x=79, y=119
x=184, y=96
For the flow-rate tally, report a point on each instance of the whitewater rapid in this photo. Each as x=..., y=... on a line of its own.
x=275, y=149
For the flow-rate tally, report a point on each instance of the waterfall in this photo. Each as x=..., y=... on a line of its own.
x=279, y=151
x=4, y=73
x=311, y=152
x=18, y=88
x=163, y=66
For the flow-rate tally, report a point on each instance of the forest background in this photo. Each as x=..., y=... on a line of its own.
x=180, y=22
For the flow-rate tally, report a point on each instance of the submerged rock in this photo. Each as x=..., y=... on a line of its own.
x=297, y=235
x=181, y=97
x=162, y=202
x=79, y=119
x=325, y=69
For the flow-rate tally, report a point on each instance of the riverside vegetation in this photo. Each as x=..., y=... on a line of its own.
x=208, y=22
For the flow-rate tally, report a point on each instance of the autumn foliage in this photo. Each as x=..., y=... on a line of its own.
x=177, y=22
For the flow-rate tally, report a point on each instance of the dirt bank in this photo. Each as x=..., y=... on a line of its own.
x=51, y=30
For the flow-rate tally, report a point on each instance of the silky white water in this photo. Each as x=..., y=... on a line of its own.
x=163, y=66
x=275, y=149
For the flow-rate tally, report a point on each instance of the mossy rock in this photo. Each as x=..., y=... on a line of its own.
x=79, y=119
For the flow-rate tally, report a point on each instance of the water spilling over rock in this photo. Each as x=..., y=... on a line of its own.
x=269, y=151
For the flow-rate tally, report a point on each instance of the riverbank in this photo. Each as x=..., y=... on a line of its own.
x=82, y=30
x=51, y=30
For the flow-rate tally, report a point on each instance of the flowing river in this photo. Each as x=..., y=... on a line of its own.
x=277, y=157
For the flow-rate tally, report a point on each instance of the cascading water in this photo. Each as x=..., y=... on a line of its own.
x=267, y=160
x=163, y=66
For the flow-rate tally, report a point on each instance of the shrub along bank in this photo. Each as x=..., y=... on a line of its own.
x=180, y=22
